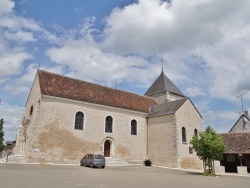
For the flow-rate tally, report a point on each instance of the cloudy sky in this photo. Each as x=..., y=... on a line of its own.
x=204, y=44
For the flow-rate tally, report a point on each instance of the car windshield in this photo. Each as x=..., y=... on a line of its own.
x=98, y=156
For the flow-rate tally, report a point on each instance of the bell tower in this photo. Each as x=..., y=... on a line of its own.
x=164, y=90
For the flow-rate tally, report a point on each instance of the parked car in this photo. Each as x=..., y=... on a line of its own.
x=93, y=160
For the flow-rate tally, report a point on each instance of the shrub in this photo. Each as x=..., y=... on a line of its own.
x=147, y=162
x=207, y=173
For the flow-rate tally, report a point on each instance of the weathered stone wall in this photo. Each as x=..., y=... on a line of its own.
x=19, y=140
x=188, y=117
x=165, y=97
x=162, y=141
x=52, y=132
x=28, y=117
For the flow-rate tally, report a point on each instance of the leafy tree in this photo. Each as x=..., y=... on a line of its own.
x=1, y=135
x=209, y=146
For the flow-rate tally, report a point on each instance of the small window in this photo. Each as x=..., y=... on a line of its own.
x=133, y=127
x=98, y=157
x=31, y=110
x=86, y=156
x=79, y=118
x=183, y=130
x=195, y=132
x=109, y=124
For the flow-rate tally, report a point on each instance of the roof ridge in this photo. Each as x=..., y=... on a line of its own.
x=173, y=85
x=185, y=98
x=235, y=133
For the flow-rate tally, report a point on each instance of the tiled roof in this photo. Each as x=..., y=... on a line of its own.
x=166, y=108
x=61, y=86
x=237, y=142
x=163, y=84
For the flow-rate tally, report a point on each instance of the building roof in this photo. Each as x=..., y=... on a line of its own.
x=166, y=108
x=61, y=86
x=241, y=117
x=163, y=84
x=10, y=142
x=237, y=143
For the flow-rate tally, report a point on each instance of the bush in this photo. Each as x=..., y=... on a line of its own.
x=147, y=162
x=207, y=173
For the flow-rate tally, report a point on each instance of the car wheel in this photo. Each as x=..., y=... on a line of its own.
x=103, y=166
x=91, y=165
x=81, y=163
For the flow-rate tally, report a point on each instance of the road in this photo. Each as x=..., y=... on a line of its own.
x=29, y=176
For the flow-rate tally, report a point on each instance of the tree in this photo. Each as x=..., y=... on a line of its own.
x=1, y=135
x=209, y=146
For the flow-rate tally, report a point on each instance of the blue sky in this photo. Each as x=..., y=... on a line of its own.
x=204, y=43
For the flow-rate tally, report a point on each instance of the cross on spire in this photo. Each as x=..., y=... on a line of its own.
x=162, y=61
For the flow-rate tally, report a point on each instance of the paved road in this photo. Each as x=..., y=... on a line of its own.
x=29, y=176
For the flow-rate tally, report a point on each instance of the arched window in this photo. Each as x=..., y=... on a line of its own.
x=183, y=130
x=79, y=118
x=195, y=132
x=133, y=127
x=108, y=124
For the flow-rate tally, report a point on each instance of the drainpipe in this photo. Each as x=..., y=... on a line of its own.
x=147, y=140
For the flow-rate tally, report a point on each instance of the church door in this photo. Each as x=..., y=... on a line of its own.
x=107, y=148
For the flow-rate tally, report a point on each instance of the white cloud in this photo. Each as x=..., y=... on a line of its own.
x=90, y=63
x=12, y=62
x=16, y=32
x=216, y=31
x=221, y=121
x=26, y=27
x=14, y=22
x=6, y=6
x=23, y=82
x=12, y=119
x=138, y=28
x=243, y=82
x=22, y=2
x=152, y=26
x=194, y=91
x=20, y=36
x=201, y=41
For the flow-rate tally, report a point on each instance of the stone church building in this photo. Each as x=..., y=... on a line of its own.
x=66, y=118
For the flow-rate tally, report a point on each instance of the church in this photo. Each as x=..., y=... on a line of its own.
x=66, y=118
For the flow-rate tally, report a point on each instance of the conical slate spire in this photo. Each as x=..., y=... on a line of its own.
x=162, y=85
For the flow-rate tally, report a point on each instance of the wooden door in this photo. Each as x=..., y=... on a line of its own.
x=107, y=148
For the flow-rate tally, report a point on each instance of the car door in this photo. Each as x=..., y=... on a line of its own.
x=85, y=160
x=90, y=159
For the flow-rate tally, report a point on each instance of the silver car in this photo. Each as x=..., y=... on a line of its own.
x=93, y=160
